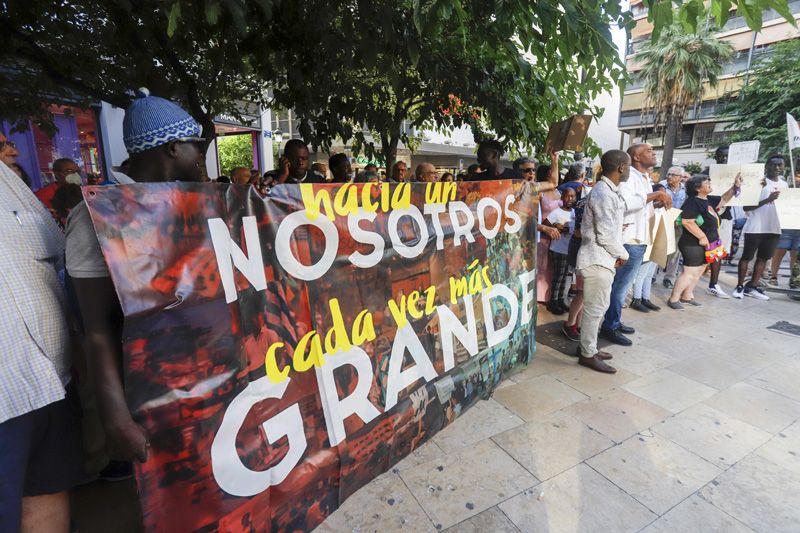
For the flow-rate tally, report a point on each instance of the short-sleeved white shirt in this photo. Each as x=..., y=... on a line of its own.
x=765, y=218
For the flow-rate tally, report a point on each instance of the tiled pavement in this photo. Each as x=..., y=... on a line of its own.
x=698, y=431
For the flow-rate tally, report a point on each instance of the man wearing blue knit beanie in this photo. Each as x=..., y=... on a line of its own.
x=164, y=144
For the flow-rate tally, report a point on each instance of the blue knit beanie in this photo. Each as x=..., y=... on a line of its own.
x=151, y=121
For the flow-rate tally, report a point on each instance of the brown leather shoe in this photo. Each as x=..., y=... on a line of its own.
x=605, y=356
x=597, y=364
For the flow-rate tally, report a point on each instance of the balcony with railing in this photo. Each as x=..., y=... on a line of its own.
x=707, y=110
x=737, y=65
x=736, y=22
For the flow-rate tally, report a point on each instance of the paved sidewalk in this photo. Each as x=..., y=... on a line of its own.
x=698, y=431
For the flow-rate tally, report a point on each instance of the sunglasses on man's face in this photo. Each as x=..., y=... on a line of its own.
x=526, y=170
x=10, y=144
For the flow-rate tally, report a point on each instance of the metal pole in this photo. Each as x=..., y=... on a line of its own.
x=750, y=60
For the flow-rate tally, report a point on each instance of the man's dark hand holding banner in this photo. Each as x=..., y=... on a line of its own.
x=282, y=352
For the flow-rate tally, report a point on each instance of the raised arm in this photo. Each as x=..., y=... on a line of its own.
x=727, y=195
x=552, y=177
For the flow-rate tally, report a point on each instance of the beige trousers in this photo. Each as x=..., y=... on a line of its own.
x=597, y=281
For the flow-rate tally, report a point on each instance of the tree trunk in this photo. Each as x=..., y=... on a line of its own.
x=209, y=134
x=669, y=145
x=389, y=149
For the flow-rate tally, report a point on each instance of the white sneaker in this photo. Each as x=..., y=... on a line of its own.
x=738, y=292
x=717, y=291
x=757, y=293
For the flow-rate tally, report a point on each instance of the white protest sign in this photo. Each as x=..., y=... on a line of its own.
x=788, y=207
x=743, y=152
x=722, y=177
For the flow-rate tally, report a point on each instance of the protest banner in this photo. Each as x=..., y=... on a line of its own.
x=743, y=152
x=723, y=176
x=282, y=352
x=788, y=206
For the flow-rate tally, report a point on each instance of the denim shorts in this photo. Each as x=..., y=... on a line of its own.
x=790, y=240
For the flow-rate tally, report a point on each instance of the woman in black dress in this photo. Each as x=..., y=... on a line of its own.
x=701, y=227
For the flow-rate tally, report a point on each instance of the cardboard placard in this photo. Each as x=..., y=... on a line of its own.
x=743, y=152
x=664, y=243
x=723, y=176
x=569, y=134
x=788, y=206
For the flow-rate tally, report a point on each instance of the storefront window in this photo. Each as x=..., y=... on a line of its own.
x=76, y=138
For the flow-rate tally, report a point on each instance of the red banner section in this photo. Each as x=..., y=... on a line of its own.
x=283, y=352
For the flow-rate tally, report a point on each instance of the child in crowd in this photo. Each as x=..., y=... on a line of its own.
x=562, y=219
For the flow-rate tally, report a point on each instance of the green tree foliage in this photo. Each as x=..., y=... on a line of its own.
x=759, y=112
x=234, y=151
x=83, y=51
x=347, y=67
x=675, y=69
x=510, y=68
x=689, y=13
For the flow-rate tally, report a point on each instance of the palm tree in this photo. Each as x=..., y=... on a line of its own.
x=675, y=69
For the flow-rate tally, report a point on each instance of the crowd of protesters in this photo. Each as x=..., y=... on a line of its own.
x=61, y=305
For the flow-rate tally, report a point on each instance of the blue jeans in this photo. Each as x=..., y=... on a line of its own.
x=644, y=280
x=623, y=280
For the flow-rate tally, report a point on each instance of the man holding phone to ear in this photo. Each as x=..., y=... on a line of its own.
x=293, y=165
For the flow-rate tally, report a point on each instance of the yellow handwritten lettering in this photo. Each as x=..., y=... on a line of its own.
x=301, y=362
x=413, y=298
x=342, y=341
x=274, y=375
x=363, y=328
x=399, y=314
x=401, y=197
x=366, y=198
x=314, y=202
x=346, y=200
x=430, y=297
x=487, y=282
x=458, y=288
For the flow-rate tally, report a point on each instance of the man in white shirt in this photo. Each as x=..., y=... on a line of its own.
x=762, y=230
x=637, y=196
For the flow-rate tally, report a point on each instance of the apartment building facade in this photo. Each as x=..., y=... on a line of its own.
x=704, y=127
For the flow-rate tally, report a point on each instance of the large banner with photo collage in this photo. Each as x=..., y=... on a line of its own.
x=281, y=352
